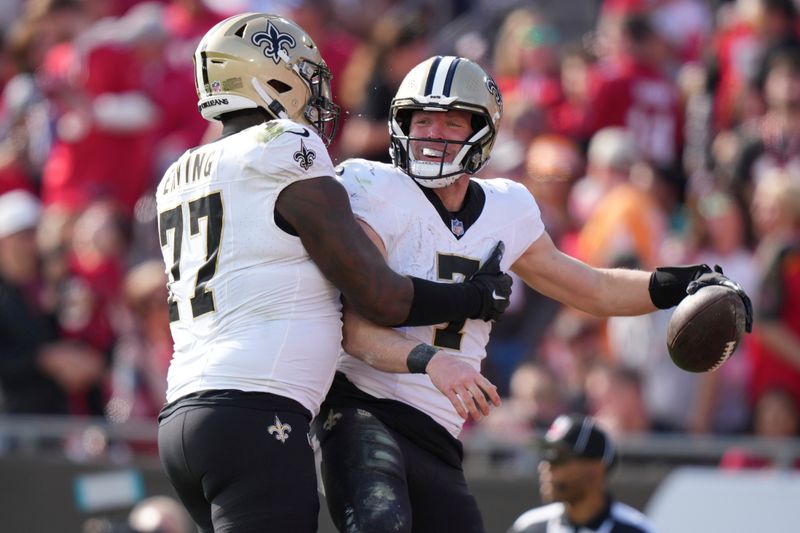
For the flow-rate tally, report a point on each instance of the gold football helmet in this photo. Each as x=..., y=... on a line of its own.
x=443, y=83
x=256, y=60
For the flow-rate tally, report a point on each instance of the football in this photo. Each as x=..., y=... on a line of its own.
x=706, y=328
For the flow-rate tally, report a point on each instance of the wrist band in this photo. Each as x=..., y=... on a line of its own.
x=419, y=357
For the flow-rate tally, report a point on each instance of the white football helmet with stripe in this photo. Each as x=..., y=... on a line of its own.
x=257, y=60
x=443, y=83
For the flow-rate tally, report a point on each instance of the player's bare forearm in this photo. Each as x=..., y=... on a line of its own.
x=381, y=348
x=386, y=349
x=319, y=211
x=624, y=292
x=601, y=292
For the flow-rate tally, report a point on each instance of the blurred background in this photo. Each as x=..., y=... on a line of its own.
x=649, y=131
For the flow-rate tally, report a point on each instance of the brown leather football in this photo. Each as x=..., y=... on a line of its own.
x=706, y=328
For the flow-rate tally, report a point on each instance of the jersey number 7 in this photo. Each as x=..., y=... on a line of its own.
x=210, y=208
x=449, y=265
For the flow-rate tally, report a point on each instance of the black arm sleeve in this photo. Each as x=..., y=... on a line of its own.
x=435, y=303
x=668, y=284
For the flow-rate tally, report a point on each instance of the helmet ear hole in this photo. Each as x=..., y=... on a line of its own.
x=477, y=122
x=279, y=86
x=403, y=118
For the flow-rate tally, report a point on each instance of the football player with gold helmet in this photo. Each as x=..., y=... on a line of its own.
x=258, y=238
x=389, y=427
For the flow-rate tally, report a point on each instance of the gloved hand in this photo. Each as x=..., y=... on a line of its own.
x=494, y=286
x=716, y=277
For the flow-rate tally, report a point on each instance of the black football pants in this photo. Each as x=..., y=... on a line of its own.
x=377, y=480
x=240, y=469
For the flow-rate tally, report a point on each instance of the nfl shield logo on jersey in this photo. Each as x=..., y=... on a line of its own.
x=457, y=227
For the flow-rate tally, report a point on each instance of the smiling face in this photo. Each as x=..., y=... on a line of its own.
x=452, y=125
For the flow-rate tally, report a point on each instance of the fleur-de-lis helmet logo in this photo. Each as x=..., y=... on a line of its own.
x=276, y=41
x=305, y=156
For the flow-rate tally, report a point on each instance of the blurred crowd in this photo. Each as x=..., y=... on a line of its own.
x=649, y=131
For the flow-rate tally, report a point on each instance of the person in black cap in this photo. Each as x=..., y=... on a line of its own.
x=576, y=458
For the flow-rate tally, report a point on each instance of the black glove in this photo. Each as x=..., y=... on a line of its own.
x=716, y=277
x=494, y=286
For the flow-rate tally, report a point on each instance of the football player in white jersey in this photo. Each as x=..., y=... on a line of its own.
x=391, y=460
x=257, y=235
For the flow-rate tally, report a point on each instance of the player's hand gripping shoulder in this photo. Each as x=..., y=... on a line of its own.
x=493, y=284
x=465, y=387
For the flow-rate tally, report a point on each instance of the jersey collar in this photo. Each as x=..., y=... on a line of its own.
x=460, y=221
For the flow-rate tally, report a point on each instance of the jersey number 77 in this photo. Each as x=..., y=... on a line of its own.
x=172, y=220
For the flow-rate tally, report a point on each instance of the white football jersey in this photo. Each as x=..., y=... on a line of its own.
x=419, y=243
x=250, y=310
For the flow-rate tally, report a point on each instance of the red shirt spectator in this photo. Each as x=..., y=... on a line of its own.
x=162, y=48
x=105, y=131
x=13, y=177
x=631, y=88
x=637, y=96
x=779, y=299
x=736, y=49
x=775, y=341
x=570, y=115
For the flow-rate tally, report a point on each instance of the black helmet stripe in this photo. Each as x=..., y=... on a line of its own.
x=440, y=76
x=201, y=61
x=432, y=75
x=448, y=81
x=204, y=71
